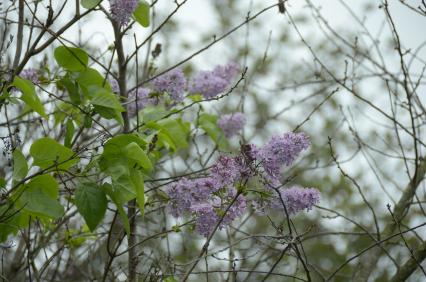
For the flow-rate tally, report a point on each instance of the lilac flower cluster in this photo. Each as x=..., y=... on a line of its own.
x=281, y=151
x=175, y=84
x=172, y=82
x=30, y=74
x=139, y=99
x=212, y=83
x=216, y=197
x=295, y=199
x=206, y=198
x=121, y=10
x=231, y=124
x=226, y=170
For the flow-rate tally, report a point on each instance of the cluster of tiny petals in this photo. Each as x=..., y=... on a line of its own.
x=173, y=82
x=199, y=196
x=227, y=72
x=180, y=197
x=282, y=151
x=139, y=99
x=187, y=194
x=231, y=124
x=226, y=170
x=206, y=219
x=212, y=83
x=296, y=199
x=236, y=210
x=207, y=216
x=121, y=10
x=212, y=198
x=30, y=74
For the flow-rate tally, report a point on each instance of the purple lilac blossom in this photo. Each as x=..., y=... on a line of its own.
x=206, y=219
x=208, y=213
x=198, y=197
x=139, y=101
x=207, y=198
x=282, y=151
x=121, y=10
x=227, y=72
x=296, y=199
x=250, y=152
x=245, y=167
x=30, y=74
x=186, y=194
x=212, y=83
x=205, y=186
x=236, y=210
x=226, y=170
x=231, y=124
x=173, y=82
x=180, y=197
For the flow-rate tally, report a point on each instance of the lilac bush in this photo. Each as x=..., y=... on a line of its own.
x=120, y=153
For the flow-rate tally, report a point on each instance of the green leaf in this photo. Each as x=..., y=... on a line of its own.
x=20, y=166
x=125, y=189
x=89, y=4
x=141, y=14
x=89, y=77
x=69, y=133
x=152, y=113
x=134, y=152
x=114, y=145
x=70, y=58
x=166, y=141
x=124, y=218
x=209, y=124
x=47, y=152
x=87, y=122
x=176, y=130
x=115, y=197
x=67, y=110
x=2, y=182
x=91, y=203
x=137, y=180
x=104, y=98
x=72, y=89
x=40, y=197
x=121, y=154
x=109, y=113
x=29, y=95
x=119, y=159
x=116, y=167
x=11, y=220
